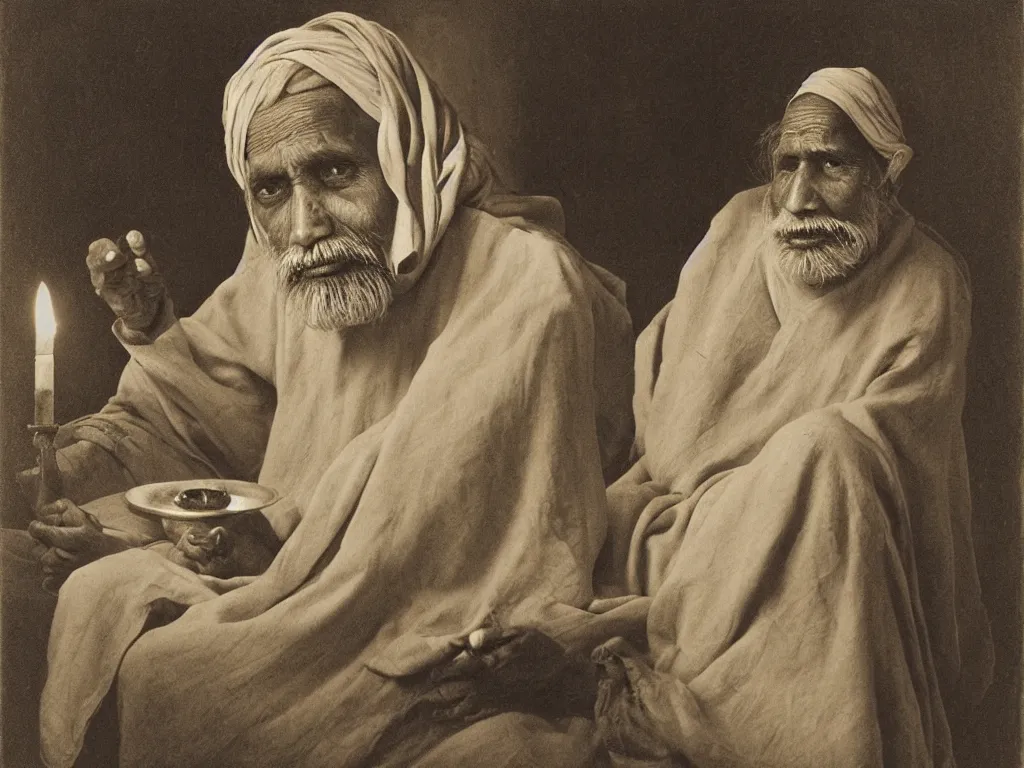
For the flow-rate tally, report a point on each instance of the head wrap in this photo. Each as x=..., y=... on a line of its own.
x=868, y=104
x=428, y=161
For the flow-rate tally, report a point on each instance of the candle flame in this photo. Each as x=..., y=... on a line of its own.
x=46, y=324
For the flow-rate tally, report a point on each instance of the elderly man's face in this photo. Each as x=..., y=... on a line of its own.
x=826, y=206
x=318, y=192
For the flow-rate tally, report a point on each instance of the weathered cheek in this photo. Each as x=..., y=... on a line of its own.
x=386, y=207
x=844, y=197
x=275, y=222
x=366, y=208
x=777, y=193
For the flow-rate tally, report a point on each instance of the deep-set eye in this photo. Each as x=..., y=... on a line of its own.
x=337, y=172
x=832, y=163
x=268, y=191
x=786, y=164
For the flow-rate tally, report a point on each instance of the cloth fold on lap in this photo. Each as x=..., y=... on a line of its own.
x=518, y=740
x=86, y=650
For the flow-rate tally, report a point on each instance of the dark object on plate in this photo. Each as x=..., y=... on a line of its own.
x=215, y=524
x=166, y=499
x=203, y=499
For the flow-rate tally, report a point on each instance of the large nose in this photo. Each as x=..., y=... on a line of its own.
x=310, y=221
x=801, y=194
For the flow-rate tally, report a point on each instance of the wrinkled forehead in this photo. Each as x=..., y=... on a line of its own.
x=813, y=123
x=323, y=115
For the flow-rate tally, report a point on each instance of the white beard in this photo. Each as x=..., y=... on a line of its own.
x=848, y=244
x=360, y=294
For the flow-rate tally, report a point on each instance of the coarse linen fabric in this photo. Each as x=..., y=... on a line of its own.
x=800, y=513
x=428, y=160
x=441, y=471
x=865, y=100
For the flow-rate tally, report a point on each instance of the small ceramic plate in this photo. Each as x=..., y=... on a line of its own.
x=172, y=499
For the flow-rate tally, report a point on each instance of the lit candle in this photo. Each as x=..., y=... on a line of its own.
x=46, y=330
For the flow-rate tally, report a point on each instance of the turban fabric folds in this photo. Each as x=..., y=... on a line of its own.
x=868, y=104
x=429, y=162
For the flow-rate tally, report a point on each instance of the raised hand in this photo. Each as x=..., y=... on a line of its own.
x=125, y=276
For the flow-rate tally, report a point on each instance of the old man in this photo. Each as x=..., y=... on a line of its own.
x=799, y=508
x=394, y=354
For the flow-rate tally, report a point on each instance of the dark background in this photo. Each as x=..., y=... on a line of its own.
x=640, y=116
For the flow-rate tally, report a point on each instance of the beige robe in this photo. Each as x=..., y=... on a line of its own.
x=440, y=470
x=800, y=513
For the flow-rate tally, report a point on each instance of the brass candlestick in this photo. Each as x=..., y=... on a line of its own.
x=50, y=486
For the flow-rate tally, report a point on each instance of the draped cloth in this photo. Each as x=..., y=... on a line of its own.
x=440, y=470
x=428, y=160
x=865, y=100
x=800, y=513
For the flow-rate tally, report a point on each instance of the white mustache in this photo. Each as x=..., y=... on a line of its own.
x=787, y=227
x=348, y=248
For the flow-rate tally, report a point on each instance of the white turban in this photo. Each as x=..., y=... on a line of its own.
x=428, y=161
x=868, y=104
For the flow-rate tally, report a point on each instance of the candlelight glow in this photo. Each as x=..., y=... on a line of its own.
x=46, y=330
x=46, y=325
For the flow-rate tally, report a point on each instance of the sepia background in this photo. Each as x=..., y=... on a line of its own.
x=640, y=116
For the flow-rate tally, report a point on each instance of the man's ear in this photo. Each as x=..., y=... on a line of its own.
x=887, y=191
x=891, y=188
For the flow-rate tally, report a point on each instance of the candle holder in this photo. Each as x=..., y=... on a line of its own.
x=50, y=487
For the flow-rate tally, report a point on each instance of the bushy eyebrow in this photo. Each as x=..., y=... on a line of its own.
x=259, y=173
x=819, y=154
x=260, y=177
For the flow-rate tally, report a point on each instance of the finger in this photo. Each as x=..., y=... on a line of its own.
x=76, y=517
x=529, y=648
x=55, y=559
x=36, y=529
x=221, y=540
x=53, y=579
x=39, y=549
x=50, y=519
x=55, y=509
x=106, y=280
x=105, y=256
x=145, y=266
x=483, y=637
x=68, y=539
x=59, y=570
x=142, y=268
x=136, y=242
x=447, y=694
x=185, y=561
x=463, y=665
x=133, y=245
x=193, y=552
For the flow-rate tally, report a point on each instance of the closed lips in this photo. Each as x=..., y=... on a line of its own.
x=323, y=270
